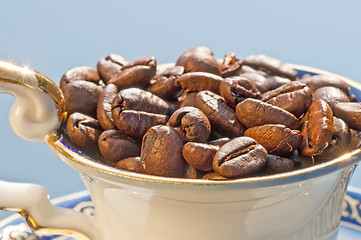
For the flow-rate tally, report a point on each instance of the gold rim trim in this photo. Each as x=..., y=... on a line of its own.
x=333, y=165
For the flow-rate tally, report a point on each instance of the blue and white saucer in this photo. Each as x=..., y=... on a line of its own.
x=15, y=228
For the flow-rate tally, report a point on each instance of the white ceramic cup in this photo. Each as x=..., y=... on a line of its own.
x=301, y=204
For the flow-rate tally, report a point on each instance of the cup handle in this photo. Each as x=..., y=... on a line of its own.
x=39, y=110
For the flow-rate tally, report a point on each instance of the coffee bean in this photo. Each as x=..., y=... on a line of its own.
x=295, y=97
x=220, y=141
x=239, y=158
x=277, y=164
x=133, y=164
x=317, y=129
x=331, y=95
x=188, y=100
x=199, y=81
x=270, y=65
x=192, y=51
x=253, y=112
x=350, y=112
x=317, y=81
x=202, y=62
x=135, y=74
x=236, y=89
x=276, y=139
x=222, y=117
x=231, y=65
x=199, y=155
x=83, y=130
x=213, y=176
x=259, y=81
x=110, y=65
x=276, y=81
x=82, y=96
x=115, y=146
x=161, y=152
x=191, y=124
x=104, y=107
x=79, y=73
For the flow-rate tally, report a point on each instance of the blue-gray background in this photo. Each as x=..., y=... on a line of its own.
x=53, y=36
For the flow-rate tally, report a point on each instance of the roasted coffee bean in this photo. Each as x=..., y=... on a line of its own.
x=192, y=51
x=82, y=96
x=248, y=69
x=275, y=138
x=199, y=155
x=188, y=100
x=295, y=97
x=253, y=112
x=191, y=172
x=220, y=141
x=191, y=124
x=231, y=65
x=115, y=145
x=239, y=158
x=110, y=65
x=104, y=107
x=213, y=176
x=259, y=81
x=331, y=95
x=83, y=130
x=161, y=152
x=202, y=62
x=317, y=81
x=340, y=143
x=317, y=129
x=133, y=164
x=277, y=164
x=79, y=73
x=270, y=65
x=276, y=81
x=199, y=81
x=222, y=117
x=163, y=84
x=134, y=111
x=135, y=74
x=350, y=112
x=236, y=89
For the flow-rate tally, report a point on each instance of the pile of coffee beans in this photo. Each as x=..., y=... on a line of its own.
x=207, y=118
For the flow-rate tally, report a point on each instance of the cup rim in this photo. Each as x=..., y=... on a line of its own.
x=337, y=164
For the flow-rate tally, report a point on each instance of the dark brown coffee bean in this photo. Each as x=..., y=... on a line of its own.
x=222, y=117
x=104, y=107
x=202, y=62
x=236, y=89
x=276, y=81
x=213, y=176
x=253, y=112
x=239, y=158
x=220, y=141
x=79, y=73
x=340, y=143
x=295, y=97
x=276, y=164
x=199, y=81
x=192, y=51
x=188, y=100
x=259, y=81
x=270, y=65
x=199, y=155
x=163, y=85
x=82, y=96
x=191, y=124
x=317, y=81
x=135, y=74
x=192, y=173
x=133, y=164
x=275, y=138
x=115, y=145
x=331, y=95
x=317, y=129
x=110, y=65
x=161, y=152
x=231, y=65
x=350, y=112
x=83, y=130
